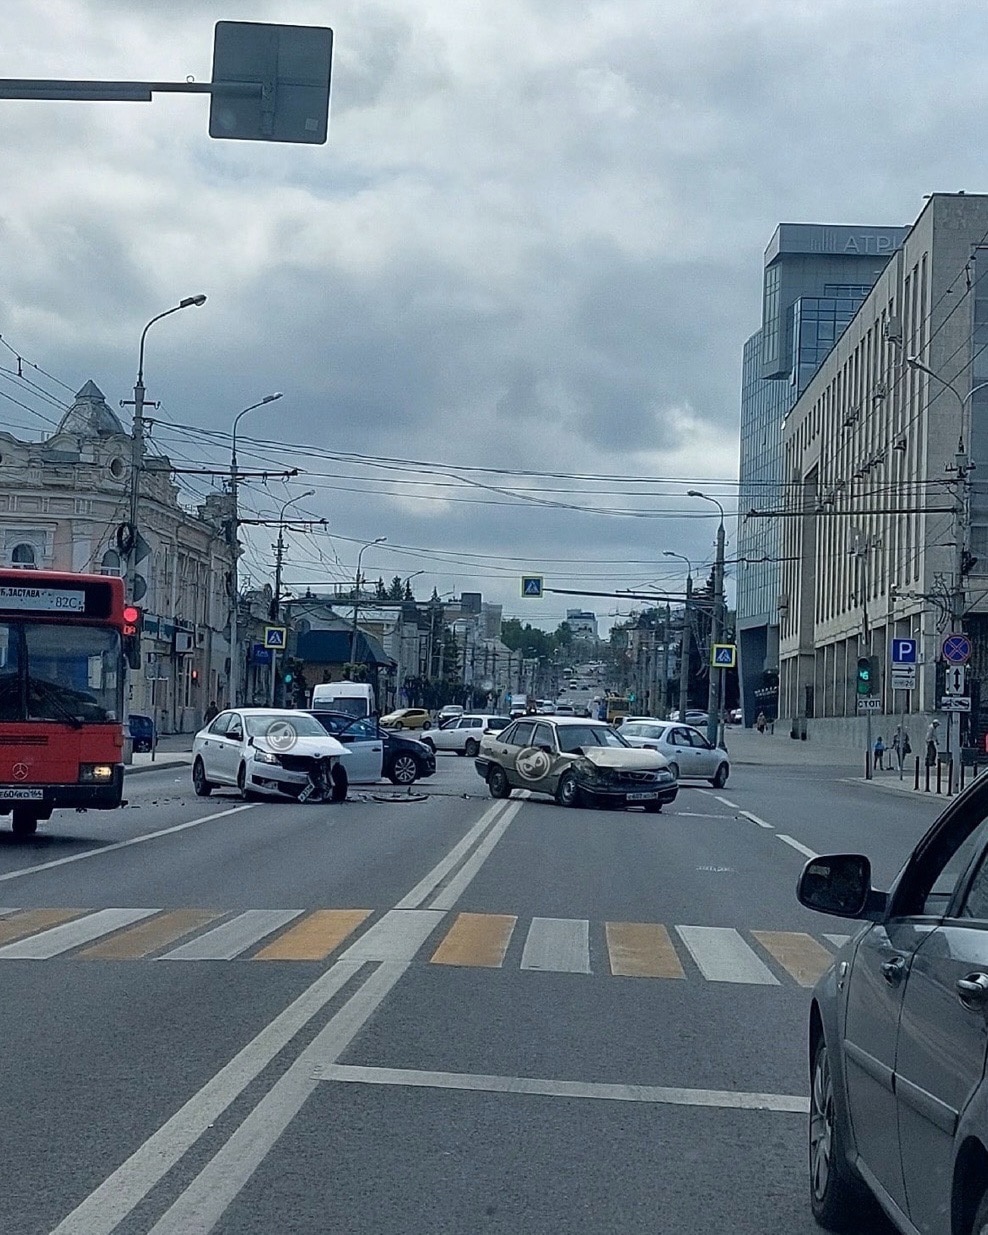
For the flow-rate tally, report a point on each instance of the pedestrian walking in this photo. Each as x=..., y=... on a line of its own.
x=760, y=722
x=211, y=712
x=879, y=753
x=932, y=738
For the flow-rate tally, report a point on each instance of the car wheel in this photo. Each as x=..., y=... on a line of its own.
x=719, y=780
x=22, y=823
x=836, y=1195
x=341, y=784
x=674, y=769
x=404, y=770
x=248, y=795
x=397, y=725
x=472, y=748
x=203, y=788
x=431, y=745
x=497, y=783
x=568, y=791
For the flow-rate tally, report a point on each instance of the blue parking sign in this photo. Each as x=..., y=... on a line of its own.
x=904, y=651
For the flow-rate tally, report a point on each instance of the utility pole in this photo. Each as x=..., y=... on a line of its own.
x=716, y=626
x=665, y=660
x=684, y=643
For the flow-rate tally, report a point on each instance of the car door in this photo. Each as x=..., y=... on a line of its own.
x=364, y=742
x=540, y=767
x=943, y=1037
x=519, y=738
x=446, y=736
x=229, y=751
x=876, y=985
x=681, y=750
x=212, y=744
x=705, y=757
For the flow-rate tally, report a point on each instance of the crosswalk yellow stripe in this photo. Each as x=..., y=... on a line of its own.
x=148, y=937
x=31, y=921
x=315, y=936
x=641, y=950
x=476, y=939
x=797, y=953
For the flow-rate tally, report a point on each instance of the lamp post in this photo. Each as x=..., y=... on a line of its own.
x=276, y=599
x=716, y=685
x=356, y=597
x=233, y=528
x=137, y=448
x=684, y=655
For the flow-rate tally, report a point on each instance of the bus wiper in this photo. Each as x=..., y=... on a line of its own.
x=48, y=696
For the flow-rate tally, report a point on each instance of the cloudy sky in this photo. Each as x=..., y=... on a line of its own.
x=532, y=244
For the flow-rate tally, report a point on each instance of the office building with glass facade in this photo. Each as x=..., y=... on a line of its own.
x=816, y=277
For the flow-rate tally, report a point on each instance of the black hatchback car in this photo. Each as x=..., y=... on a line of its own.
x=898, y=1034
x=375, y=752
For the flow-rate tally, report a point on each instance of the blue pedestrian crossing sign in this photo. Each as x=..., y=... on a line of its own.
x=724, y=655
x=274, y=638
x=904, y=651
x=531, y=586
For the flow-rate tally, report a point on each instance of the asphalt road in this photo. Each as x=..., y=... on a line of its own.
x=413, y=1018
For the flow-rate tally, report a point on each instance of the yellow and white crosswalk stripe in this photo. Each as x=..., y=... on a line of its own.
x=477, y=940
x=799, y=954
x=641, y=950
x=315, y=937
x=150, y=936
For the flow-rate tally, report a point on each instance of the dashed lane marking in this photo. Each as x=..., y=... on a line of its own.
x=794, y=844
x=746, y=814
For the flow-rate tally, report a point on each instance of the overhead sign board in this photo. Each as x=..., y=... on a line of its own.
x=956, y=648
x=955, y=703
x=724, y=655
x=274, y=638
x=867, y=704
x=903, y=651
x=532, y=586
x=903, y=677
x=953, y=680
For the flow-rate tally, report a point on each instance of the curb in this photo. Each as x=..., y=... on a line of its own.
x=917, y=794
x=158, y=766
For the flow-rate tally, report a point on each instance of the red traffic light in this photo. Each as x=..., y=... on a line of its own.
x=131, y=617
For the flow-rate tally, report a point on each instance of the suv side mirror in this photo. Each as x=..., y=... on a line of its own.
x=839, y=884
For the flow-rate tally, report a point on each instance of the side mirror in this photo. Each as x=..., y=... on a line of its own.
x=546, y=748
x=837, y=883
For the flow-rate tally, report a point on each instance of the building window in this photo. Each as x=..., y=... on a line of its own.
x=23, y=555
x=110, y=565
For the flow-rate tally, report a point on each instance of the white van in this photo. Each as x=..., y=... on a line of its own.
x=355, y=698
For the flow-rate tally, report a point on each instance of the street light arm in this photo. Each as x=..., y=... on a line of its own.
x=183, y=304
x=236, y=419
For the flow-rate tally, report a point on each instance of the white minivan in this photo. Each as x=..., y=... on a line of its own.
x=354, y=698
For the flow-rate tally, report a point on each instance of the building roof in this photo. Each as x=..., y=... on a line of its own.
x=332, y=647
x=90, y=415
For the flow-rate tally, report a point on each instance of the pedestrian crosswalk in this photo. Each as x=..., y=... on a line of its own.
x=492, y=941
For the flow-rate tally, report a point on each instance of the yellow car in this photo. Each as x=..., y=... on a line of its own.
x=407, y=718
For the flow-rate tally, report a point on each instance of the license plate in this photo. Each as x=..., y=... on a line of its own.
x=650, y=796
x=13, y=794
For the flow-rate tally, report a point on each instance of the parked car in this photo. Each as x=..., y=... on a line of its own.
x=375, y=753
x=268, y=752
x=897, y=1037
x=463, y=734
x=690, y=755
x=449, y=712
x=578, y=762
x=407, y=718
x=693, y=716
x=141, y=732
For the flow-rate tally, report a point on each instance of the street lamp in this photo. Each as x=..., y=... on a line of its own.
x=234, y=526
x=356, y=597
x=715, y=689
x=137, y=447
x=684, y=655
x=276, y=599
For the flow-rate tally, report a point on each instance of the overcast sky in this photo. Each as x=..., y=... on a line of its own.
x=532, y=242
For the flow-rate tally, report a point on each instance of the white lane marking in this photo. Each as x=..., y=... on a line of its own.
x=123, y=844
x=107, y=1206
x=689, y=814
x=425, y=887
x=721, y=955
x=204, y=1201
x=396, y=937
x=727, y=802
x=228, y=940
x=74, y=934
x=837, y=940
x=794, y=844
x=448, y=897
x=728, y=1099
x=746, y=814
x=559, y=945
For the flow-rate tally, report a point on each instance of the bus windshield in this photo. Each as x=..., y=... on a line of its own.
x=59, y=673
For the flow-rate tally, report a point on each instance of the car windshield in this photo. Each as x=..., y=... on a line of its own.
x=573, y=737
x=59, y=672
x=305, y=726
x=637, y=730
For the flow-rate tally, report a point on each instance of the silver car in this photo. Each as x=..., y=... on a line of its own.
x=268, y=752
x=690, y=755
x=898, y=1035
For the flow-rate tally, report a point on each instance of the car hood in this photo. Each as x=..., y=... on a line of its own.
x=313, y=748
x=633, y=760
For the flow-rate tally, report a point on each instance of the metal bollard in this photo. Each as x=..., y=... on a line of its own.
x=927, y=789
x=962, y=777
x=950, y=779
x=939, y=777
x=916, y=785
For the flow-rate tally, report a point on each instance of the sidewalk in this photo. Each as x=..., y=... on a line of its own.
x=748, y=746
x=174, y=750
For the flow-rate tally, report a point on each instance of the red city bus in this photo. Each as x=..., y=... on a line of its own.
x=61, y=693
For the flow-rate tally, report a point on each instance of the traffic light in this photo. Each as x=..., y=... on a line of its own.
x=866, y=679
x=131, y=634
